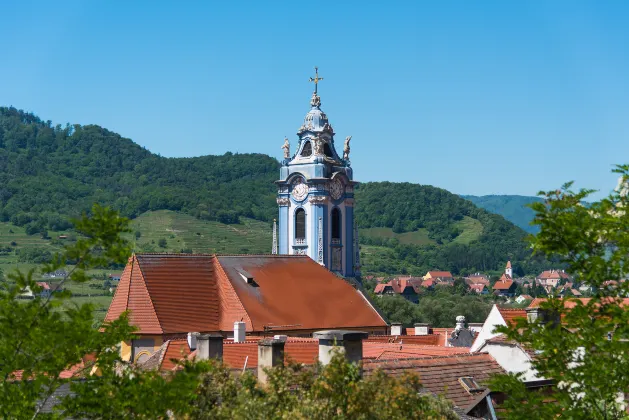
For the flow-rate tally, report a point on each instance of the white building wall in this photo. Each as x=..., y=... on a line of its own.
x=512, y=359
x=493, y=319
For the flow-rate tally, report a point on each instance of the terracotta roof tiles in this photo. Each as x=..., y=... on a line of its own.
x=179, y=293
x=440, y=375
x=510, y=314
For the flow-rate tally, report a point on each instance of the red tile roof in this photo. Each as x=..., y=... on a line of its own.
x=43, y=285
x=399, y=285
x=553, y=274
x=571, y=302
x=510, y=314
x=429, y=339
x=435, y=274
x=440, y=375
x=179, y=293
x=478, y=288
x=379, y=350
x=503, y=285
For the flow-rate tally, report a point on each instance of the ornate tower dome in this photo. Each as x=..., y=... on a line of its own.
x=316, y=195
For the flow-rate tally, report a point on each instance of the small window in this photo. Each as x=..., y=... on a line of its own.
x=300, y=224
x=470, y=384
x=336, y=223
x=307, y=149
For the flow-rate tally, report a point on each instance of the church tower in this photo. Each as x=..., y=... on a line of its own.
x=316, y=196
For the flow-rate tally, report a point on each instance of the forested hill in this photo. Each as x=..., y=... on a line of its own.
x=514, y=208
x=51, y=173
x=47, y=172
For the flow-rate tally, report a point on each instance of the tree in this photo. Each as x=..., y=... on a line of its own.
x=162, y=243
x=37, y=340
x=583, y=344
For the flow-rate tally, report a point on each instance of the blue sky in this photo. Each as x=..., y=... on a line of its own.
x=485, y=97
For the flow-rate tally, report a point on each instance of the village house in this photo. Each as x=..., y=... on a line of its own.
x=171, y=295
x=552, y=278
x=407, y=287
x=439, y=277
x=477, y=278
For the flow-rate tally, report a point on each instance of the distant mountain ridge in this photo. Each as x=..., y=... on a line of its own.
x=514, y=208
x=49, y=174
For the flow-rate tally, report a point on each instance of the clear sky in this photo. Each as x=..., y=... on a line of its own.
x=477, y=97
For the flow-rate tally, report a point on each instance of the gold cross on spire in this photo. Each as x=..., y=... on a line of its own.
x=316, y=79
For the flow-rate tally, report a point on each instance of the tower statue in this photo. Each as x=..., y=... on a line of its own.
x=286, y=147
x=346, y=148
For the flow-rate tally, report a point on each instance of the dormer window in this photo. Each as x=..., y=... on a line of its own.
x=470, y=385
x=307, y=149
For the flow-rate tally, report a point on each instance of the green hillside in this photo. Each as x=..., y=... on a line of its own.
x=224, y=204
x=511, y=207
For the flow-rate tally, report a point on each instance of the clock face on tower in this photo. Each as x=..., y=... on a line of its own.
x=336, y=189
x=300, y=190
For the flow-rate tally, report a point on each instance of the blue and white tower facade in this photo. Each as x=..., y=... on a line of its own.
x=316, y=196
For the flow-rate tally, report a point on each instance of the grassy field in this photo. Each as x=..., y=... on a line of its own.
x=182, y=231
x=471, y=230
x=418, y=237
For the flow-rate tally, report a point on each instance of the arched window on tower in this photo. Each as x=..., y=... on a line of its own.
x=336, y=225
x=307, y=149
x=300, y=225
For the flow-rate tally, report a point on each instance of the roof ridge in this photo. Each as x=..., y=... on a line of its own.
x=118, y=289
x=225, y=278
x=147, y=292
x=447, y=356
x=201, y=254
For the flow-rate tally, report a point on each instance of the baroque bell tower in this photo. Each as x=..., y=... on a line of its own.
x=316, y=195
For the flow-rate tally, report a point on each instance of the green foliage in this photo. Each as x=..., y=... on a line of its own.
x=34, y=255
x=440, y=308
x=37, y=341
x=514, y=208
x=50, y=173
x=466, y=238
x=589, y=368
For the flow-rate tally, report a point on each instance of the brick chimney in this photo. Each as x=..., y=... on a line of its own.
x=209, y=346
x=347, y=342
x=396, y=328
x=422, y=328
x=270, y=354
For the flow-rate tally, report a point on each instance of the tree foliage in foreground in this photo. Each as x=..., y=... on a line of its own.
x=209, y=390
x=588, y=365
x=40, y=342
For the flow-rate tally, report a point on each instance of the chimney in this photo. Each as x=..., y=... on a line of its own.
x=347, y=342
x=209, y=346
x=270, y=354
x=192, y=340
x=542, y=316
x=396, y=328
x=239, y=332
x=422, y=328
